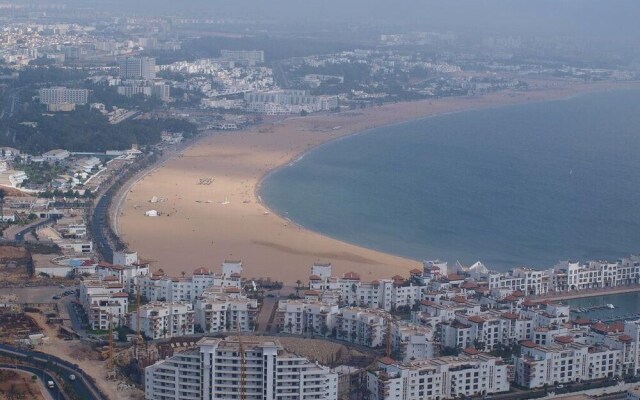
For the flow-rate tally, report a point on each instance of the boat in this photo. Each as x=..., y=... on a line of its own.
x=226, y=201
x=610, y=306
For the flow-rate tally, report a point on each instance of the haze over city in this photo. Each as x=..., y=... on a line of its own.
x=293, y=200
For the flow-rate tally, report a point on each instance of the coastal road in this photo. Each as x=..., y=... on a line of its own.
x=83, y=386
x=55, y=392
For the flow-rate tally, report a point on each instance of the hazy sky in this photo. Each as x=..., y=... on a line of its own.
x=612, y=18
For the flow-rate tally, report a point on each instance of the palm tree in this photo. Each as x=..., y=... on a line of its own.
x=298, y=283
x=2, y=194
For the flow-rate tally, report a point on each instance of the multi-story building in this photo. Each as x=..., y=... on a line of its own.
x=127, y=269
x=225, y=310
x=412, y=342
x=438, y=378
x=163, y=320
x=104, y=302
x=63, y=95
x=291, y=101
x=301, y=317
x=214, y=371
x=137, y=68
x=565, y=362
x=159, y=287
x=247, y=58
x=362, y=326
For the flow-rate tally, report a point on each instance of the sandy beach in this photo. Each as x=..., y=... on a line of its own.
x=203, y=224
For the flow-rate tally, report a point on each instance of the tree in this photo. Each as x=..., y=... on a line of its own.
x=2, y=194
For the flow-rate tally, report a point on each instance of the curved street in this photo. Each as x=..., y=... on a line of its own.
x=82, y=386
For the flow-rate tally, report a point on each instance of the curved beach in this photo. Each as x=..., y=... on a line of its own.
x=203, y=224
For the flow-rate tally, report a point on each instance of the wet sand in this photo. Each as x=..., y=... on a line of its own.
x=203, y=224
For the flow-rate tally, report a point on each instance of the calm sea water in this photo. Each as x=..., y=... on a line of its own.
x=626, y=307
x=519, y=185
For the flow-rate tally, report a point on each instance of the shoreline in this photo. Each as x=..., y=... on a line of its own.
x=293, y=138
x=583, y=294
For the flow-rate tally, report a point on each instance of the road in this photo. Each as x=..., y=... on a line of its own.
x=82, y=386
x=44, y=376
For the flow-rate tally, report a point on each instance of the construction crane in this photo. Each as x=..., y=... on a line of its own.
x=243, y=364
x=138, y=340
x=110, y=360
x=388, y=338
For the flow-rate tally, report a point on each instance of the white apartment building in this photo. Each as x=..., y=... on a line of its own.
x=300, y=317
x=225, y=310
x=565, y=363
x=137, y=68
x=163, y=320
x=362, y=326
x=386, y=294
x=104, y=301
x=128, y=274
x=291, y=100
x=213, y=371
x=412, y=342
x=159, y=287
x=247, y=58
x=438, y=378
x=63, y=95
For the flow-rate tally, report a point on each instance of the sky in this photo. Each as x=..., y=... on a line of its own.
x=608, y=18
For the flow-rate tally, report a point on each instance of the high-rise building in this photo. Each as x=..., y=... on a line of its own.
x=247, y=58
x=137, y=68
x=63, y=95
x=213, y=371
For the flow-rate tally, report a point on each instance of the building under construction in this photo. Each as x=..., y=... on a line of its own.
x=245, y=368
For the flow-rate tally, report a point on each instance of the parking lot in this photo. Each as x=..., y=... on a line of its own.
x=36, y=294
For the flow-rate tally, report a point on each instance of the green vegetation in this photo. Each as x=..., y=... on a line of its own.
x=50, y=76
x=85, y=130
x=42, y=173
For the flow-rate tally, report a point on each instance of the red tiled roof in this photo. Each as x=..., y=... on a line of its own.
x=509, y=315
x=110, y=278
x=476, y=319
x=427, y=303
x=351, y=276
x=468, y=285
x=563, y=339
x=528, y=343
x=315, y=278
x=617, y=326
x=121, y=294
x=387, y=360
x=459, y=299
x=625, y=338
x=582, y=321
x=375, y=282
x=397, y=278
x=201, y=271
x=311, y=293
x=415, y=271
x=232, y=290
x=471, y=351
x=455, y=277
x=235, y=275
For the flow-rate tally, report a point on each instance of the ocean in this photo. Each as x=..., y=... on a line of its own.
x=524, y=185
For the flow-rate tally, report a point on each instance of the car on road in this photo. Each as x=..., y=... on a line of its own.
x=50, y=384
x=56, y=297
x=72, y=377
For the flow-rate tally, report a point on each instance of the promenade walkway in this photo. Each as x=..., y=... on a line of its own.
x=584, y=293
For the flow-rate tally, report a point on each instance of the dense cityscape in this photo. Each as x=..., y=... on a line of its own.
x=131, y=137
